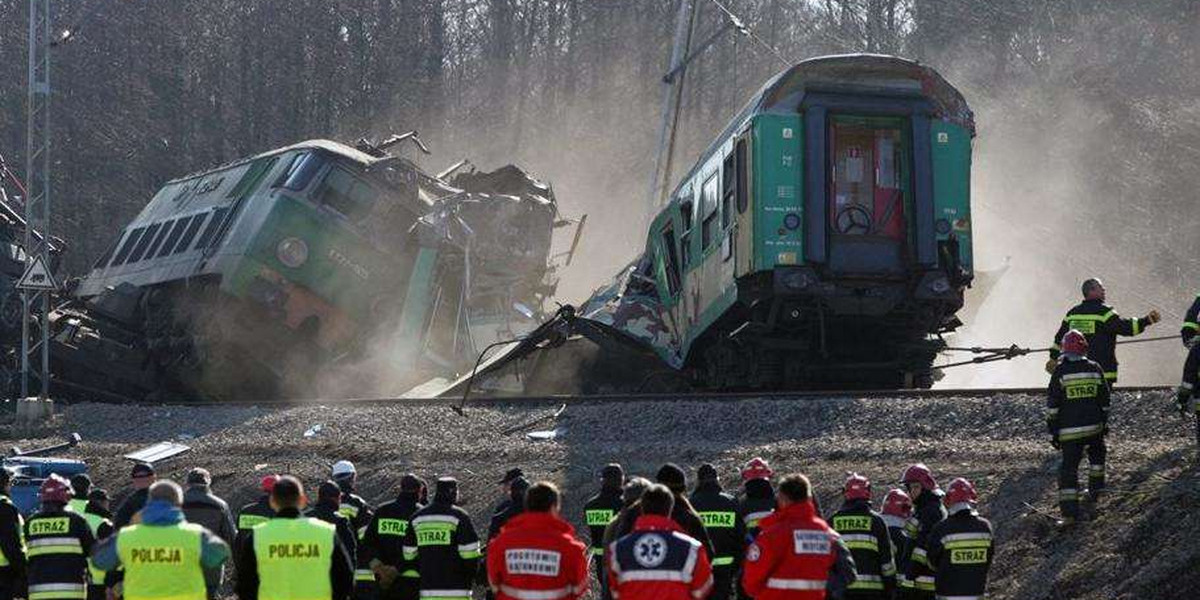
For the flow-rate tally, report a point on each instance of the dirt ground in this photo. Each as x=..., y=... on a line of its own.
x=1142, y=545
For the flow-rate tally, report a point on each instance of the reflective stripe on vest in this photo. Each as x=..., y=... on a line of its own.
x=57, y=591
x=446, y=594
x=162, y=563
x=54, y=545
x=4, y=562
x=780, y=583
x=94, y=522
x=294, y=557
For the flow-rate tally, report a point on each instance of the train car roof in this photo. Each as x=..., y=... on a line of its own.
x=865, y=73
x=361, y=158
x=849, y=73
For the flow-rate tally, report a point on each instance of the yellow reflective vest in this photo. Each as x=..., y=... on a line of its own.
x=294, y=558
x=162, y=562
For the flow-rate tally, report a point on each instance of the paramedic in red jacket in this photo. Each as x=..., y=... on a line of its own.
x=536, y=556
x=657, y=561
x=796, y=555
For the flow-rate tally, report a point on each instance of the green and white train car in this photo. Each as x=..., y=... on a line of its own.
x=823, y=239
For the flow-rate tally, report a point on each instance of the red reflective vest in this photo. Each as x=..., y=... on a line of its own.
x=657, y=561
x=537, y=557
x=791, y=557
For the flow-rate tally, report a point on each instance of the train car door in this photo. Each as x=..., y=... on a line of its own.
x=868, y=199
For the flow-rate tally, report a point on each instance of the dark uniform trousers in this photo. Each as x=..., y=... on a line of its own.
x=1068, y=471
x=1077, y=418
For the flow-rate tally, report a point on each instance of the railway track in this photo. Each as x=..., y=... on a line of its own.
x=553, y=400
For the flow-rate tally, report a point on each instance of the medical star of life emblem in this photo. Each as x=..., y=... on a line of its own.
x=650, y=550
x=753, y=552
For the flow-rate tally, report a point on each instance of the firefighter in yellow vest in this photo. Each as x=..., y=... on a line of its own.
x=292, y=557
x=163, y=556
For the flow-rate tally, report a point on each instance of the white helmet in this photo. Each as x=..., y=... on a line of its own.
x=342, y=468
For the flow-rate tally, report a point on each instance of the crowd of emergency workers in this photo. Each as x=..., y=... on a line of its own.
x=643, y=539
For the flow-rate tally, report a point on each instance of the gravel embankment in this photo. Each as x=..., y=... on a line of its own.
x=1142, y=546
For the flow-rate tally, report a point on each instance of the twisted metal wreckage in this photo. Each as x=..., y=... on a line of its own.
x=390, y=277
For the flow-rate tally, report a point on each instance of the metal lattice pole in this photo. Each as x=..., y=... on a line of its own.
x=35, y=330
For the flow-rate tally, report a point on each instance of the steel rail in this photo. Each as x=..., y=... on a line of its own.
x=481, y=401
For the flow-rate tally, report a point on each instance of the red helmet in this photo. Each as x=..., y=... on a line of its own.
x=1074, y=342
x=897, y=503
x=55, y=489
x=959, y=491
x=919, y=473
x=857, y=487
x=756, y=468
x=268, y=483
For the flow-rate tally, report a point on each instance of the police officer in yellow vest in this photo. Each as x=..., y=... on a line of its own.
x=292, y=557
x=164, y=557
x=12, y=543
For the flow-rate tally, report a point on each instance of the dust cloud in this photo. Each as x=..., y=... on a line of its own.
x=1039, y=180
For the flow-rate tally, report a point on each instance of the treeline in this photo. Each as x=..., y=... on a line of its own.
x=1087, y=107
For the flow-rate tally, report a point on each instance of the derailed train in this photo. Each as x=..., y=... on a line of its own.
x=822, y=240
x=286, y=273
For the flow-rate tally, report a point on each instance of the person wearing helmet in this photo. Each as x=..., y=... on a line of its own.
x=58, y=542
x=599, y=511
x=382, y=547
x=1077, y=418
x=163, y=556
x=865, y=533
x=928, y=511
x=719, y=513
x=960, y=547
x=12, y=542
x=256, y=513
x=443, y=543
x=897, y=511
x=353, y=507
x=1101, y=325
x=758, y=496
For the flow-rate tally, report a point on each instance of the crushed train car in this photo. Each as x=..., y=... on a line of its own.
x=822, y=240
x=275, y=275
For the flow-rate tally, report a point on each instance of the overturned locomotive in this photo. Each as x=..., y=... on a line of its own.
x=311, y=270
x=822, y=240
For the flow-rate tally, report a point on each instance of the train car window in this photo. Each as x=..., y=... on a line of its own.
x=190, y=233
x=708, y=203
x=743, y=177
x=868, y=198
x=208, y=237
x=672, y=260
x=728, y=179
x=347, y=194
x=301, y=171
x=172, y=236
x=253, y=175
x=127, y=246
x=687, y=216
x=144, y=243
x=158, y=240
